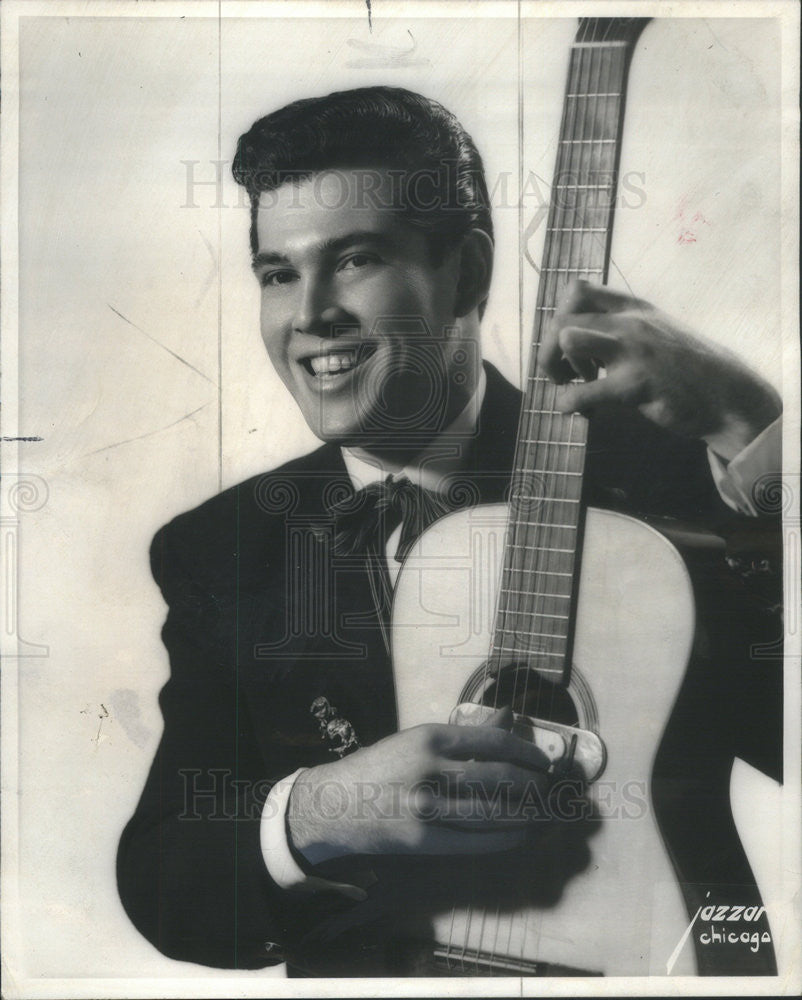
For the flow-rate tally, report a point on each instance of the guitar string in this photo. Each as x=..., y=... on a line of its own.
x=608, y=65
x=570, y=164
x=564, y=254
x=599, y=130
x=586, y=241
x=537, y=424
x=524, y=605
x=605, y=132
x=500, y=620
x=503, y=610
x=555, y=560
x=504, y=613
x=560, y=253
x=612, y=68
x=529, y=423
x=501, y=606
x=540, y=425
x=540, y=431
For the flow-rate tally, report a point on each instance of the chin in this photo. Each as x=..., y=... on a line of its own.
x=345, y=435
x=350, y=438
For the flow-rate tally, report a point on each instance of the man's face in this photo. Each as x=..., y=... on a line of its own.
x=357, y=320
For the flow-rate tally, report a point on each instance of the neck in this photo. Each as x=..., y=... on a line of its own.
x=433, y=454
x=400, y=449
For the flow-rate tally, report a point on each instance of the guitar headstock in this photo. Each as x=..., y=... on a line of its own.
x=611, y=29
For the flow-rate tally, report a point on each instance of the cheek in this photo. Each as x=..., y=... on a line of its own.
x=387, y=295
x=271, y=329
x=429, y=299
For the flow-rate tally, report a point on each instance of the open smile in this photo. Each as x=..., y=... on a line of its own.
x=337, y=362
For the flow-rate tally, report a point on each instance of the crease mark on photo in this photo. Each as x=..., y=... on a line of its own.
x=204, y=291
x=160, y=344
x=158, y=430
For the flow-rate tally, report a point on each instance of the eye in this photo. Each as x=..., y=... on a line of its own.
x=271, y=279
x=355, y=261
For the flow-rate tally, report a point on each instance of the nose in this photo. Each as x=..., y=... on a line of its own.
x=316, y=308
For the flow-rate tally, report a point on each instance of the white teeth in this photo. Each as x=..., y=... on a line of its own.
x=328, y=364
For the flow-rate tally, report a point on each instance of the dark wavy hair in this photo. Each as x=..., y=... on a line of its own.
x=438, y=180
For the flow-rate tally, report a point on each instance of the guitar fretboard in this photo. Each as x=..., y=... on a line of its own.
x=534, y=622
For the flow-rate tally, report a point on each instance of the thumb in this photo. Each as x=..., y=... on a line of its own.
x=502, y=718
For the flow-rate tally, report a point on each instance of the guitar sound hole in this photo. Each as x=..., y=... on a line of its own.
x=526, y=691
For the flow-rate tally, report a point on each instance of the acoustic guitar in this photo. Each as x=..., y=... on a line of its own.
x=582, y=621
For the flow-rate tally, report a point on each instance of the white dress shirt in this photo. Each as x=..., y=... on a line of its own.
x=737, y=479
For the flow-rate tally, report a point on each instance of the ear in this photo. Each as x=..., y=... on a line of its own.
x=475, y=272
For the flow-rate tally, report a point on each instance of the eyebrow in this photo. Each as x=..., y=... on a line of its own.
x=332, y=245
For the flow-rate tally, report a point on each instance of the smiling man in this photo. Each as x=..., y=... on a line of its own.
x=361, y=317
x=281, y=782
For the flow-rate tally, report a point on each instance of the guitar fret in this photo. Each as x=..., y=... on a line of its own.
x=575, y=229
x=547, y=524
x=540, y=635
x=599, y=45
x=545, y=548
x=538, y=614
x=569, y=444
x=527, y=652
x=526, y=496
x=577, y=142
x=554, y=413
x=583, y=187
x=572, y=270
x=536, y=593
x=609, y=93
x=540, y=572
x=555, y=472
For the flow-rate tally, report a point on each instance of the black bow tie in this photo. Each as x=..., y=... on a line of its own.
x=369, y=516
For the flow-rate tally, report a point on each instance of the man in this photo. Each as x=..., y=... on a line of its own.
x=372, y=242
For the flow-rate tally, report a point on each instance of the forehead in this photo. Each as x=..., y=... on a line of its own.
x=329, y=205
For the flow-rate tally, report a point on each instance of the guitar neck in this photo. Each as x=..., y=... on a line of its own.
x=534, y=622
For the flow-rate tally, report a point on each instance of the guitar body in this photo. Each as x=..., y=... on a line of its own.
x=623, y=913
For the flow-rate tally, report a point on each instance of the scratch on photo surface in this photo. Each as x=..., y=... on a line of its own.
x=385, y=56
x=158, y=430
x=160, y=344
x=207, y=284
x=103, y=714
x=4, y=438
x=716, y=39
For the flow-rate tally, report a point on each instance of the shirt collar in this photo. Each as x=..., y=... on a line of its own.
x=443, y=455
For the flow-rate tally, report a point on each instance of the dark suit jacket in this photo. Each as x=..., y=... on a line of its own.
x=262, y=620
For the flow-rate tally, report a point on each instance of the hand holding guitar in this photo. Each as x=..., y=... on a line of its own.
x=675, y=379
x=426, y=790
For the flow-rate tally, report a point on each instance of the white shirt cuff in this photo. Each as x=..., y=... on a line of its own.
x=760, y=460
x=281, y=865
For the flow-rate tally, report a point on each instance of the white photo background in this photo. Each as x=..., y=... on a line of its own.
x=142, y=369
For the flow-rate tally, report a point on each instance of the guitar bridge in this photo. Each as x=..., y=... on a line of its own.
x=566, y=747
